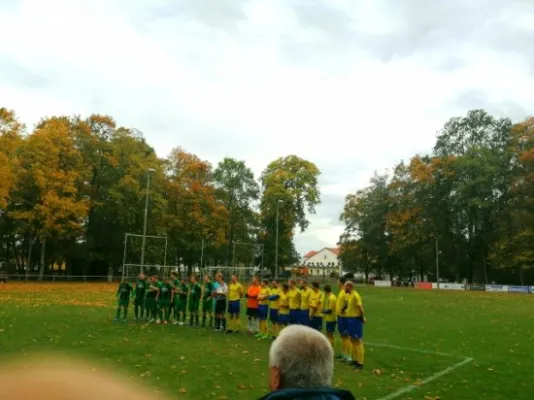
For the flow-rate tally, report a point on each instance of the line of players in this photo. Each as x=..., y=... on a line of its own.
x=280, y=304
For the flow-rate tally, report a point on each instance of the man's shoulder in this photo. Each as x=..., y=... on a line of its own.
x=309, y=394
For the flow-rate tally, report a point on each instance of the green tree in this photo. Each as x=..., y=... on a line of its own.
x=289, y=185
x=237, y=189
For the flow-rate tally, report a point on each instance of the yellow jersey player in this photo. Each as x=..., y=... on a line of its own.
x=305, y=294
x=329, y=312
x=235, y=293
x=341, y=312
x=283, y=310
x=316, y=307
x=274, y=299
x=355, y=321
x=263, y=309
x=293, y=295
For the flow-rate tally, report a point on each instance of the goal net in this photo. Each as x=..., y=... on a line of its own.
x=244, y=274
x=155, y=256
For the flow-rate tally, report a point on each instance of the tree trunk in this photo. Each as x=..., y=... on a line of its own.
x=521, y=275
x=485, y=267
x=42, y=266
x=29, y=262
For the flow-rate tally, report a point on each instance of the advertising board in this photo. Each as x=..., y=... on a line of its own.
x=519, y=289
x=451, y=286
x=477, y=287
x=424, y=285
x=497, y=288
x=383, y=283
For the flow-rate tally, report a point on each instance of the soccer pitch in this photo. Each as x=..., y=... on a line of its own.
x=419, y=344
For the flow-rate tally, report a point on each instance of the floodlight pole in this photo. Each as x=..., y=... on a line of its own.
x=276, y=244
x=150, y=170
x=437, y=262
x=233, y=254
x=201, y=254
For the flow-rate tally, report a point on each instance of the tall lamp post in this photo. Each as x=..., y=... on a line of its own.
x=276, y=243
x=150, y=170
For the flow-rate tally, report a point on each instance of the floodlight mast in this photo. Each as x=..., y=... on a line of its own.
x=150, y=170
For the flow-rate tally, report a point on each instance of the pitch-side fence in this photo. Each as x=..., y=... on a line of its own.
x=461, y=286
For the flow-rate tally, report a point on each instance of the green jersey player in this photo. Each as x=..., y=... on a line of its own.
x=123, y=299
x=181, y=291
x=207, y=301
x=139, y=296
x=195, y=293
x=165, y=299
x=151, y=303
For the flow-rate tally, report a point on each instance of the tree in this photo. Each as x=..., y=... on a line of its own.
x=193, y=211
x=237, y=190
x=290, y=185
x=365, y=239
x=48, y=199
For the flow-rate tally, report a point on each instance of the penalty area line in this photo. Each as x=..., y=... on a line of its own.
x=422, y=351
x=410, y=388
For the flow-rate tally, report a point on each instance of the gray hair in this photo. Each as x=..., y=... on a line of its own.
x=304, y=358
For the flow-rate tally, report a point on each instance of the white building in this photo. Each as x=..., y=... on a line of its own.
x=323, y=262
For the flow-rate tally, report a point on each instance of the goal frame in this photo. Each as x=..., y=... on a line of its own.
x=144, y=266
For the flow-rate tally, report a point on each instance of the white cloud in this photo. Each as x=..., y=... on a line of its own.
x=345, y=84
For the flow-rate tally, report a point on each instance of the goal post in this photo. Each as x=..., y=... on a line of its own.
x=155, y=258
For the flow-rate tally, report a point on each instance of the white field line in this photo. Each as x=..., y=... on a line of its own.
x=410, y=388
x=422, y=351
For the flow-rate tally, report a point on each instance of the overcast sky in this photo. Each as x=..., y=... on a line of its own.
x=354, y=86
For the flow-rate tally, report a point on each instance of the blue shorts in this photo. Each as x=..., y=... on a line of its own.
x=283, y=319
x=273, y=315
x=355, y=328
x=294, y=317
x=305, y=317
x=263, y=311
x=234, y=307
x=342, y=325
x=317, y=323
x=330, y=326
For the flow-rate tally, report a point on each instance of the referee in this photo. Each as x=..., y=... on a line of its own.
x=220, y=291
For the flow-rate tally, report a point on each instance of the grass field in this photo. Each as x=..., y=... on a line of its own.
x=420, y=344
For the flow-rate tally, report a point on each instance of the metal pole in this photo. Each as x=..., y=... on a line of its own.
x=233, y=255
x=276, y=245
x=144, y=223
x=262, y=253
x=201, y=254
x=437, y=262
x=124, y=255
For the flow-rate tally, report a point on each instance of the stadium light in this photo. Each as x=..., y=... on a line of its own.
x=276, y=244
x=149, y=171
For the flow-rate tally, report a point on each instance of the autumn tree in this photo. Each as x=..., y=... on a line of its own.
x=52, y=170
x=194, y=213
x=289, y=186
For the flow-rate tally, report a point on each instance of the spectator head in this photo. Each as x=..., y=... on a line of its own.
x=300, y=357
x=218, y=277
x=274, y=283
x=303, y=283
x=174, y=275
x=327, y=289
x=255, y=280
x=193, y=279
x=349, y=286
x=142, y=276
x=315, y=286
x=234, y=278
x=264, y=283
x=207, y=278
x=292, y=283
x=285, y=287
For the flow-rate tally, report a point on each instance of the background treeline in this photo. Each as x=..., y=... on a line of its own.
x=473, y=195
x=71, y=188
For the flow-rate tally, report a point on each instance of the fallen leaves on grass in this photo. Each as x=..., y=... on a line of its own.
x=377, y=372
